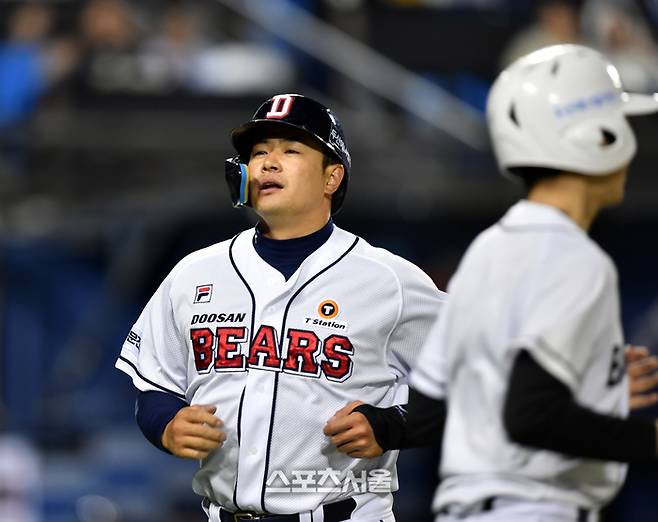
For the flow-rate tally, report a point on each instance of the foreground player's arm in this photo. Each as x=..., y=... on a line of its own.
x=365, y=431
x=173, y=426
x=540, y=411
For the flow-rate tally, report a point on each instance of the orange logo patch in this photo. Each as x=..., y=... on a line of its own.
x=328, y=309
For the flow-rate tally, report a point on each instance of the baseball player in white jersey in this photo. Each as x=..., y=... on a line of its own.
x=249, y=346
x=529, y=351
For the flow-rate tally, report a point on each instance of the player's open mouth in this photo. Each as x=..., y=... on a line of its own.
x=269, y=187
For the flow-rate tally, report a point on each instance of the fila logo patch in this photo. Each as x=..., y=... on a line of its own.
x=203, y=294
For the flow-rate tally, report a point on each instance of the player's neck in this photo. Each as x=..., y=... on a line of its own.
x=569, y=194
x=291, y=227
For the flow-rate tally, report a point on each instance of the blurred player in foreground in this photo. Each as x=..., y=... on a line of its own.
x=529, y=351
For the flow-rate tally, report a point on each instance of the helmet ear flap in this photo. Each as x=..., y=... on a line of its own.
x=594, y=136
x=237, y=178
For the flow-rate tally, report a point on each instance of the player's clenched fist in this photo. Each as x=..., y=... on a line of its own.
x=194, y=432
x=351, y=433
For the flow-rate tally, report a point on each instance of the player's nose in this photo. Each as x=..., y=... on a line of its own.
x=271, y=163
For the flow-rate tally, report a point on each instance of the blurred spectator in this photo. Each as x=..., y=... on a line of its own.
x=30, y=61
x=170, y=58
x=256, y=63
x=180, y=57
x=20, y=480
x=617, y=28
x=244, y=69
x=556, y=22
x=111, y=37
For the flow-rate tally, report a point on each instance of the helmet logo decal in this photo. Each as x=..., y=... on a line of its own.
x=337, y=141
x=581, y=105
x=281, y=105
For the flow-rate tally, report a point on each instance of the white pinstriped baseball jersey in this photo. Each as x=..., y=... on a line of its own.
x=533, y=281
x=279, y=357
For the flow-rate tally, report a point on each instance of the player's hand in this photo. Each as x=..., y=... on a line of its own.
x=194, y=432
x=643, y=377
x=352, y=434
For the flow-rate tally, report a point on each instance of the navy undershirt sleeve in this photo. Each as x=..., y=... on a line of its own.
x=153, y=411
x=286, y=255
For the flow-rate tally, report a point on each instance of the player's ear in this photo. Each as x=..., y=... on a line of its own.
x=333, y=175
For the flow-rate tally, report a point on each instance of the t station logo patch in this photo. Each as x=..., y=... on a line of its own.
x=327, y=310
x=203, y=294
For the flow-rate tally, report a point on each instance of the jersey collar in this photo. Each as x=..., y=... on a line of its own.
x=264, y=276
x=530, y=214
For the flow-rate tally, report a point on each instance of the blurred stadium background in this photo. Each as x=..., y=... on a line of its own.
x=114, y=121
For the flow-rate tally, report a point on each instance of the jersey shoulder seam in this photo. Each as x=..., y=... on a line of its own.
x=396, y=278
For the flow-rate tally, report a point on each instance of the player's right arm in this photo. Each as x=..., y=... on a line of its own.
x=194, y=432
x=155, y=355
x=171, y=425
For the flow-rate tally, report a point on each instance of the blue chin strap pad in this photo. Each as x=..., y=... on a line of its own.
x=237, y=178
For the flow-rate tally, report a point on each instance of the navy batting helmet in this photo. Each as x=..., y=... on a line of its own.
x=298, y=112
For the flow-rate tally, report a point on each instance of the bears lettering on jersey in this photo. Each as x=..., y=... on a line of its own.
x=202, y=341
x=306, y=355
x=228, y=356
x=338, y=350
x=303, y=349
x=264, y=353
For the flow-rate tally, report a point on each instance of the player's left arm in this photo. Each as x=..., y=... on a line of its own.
x=642, y=371
x=365, y=431
x=352, y=434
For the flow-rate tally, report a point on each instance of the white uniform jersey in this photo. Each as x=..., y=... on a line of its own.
x=278, y=358
x=533, y=281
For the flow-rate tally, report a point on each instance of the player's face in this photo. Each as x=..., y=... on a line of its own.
x=288, y=178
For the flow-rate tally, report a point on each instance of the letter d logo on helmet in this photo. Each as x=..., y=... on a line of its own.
x=293, y=111
x=563, y=107
x=281, y=105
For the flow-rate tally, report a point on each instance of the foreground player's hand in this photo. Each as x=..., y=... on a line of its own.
x=194, y=432
x=643, y=377
x=352, y=434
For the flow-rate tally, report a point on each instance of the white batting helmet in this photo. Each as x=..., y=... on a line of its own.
x=563, y=107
